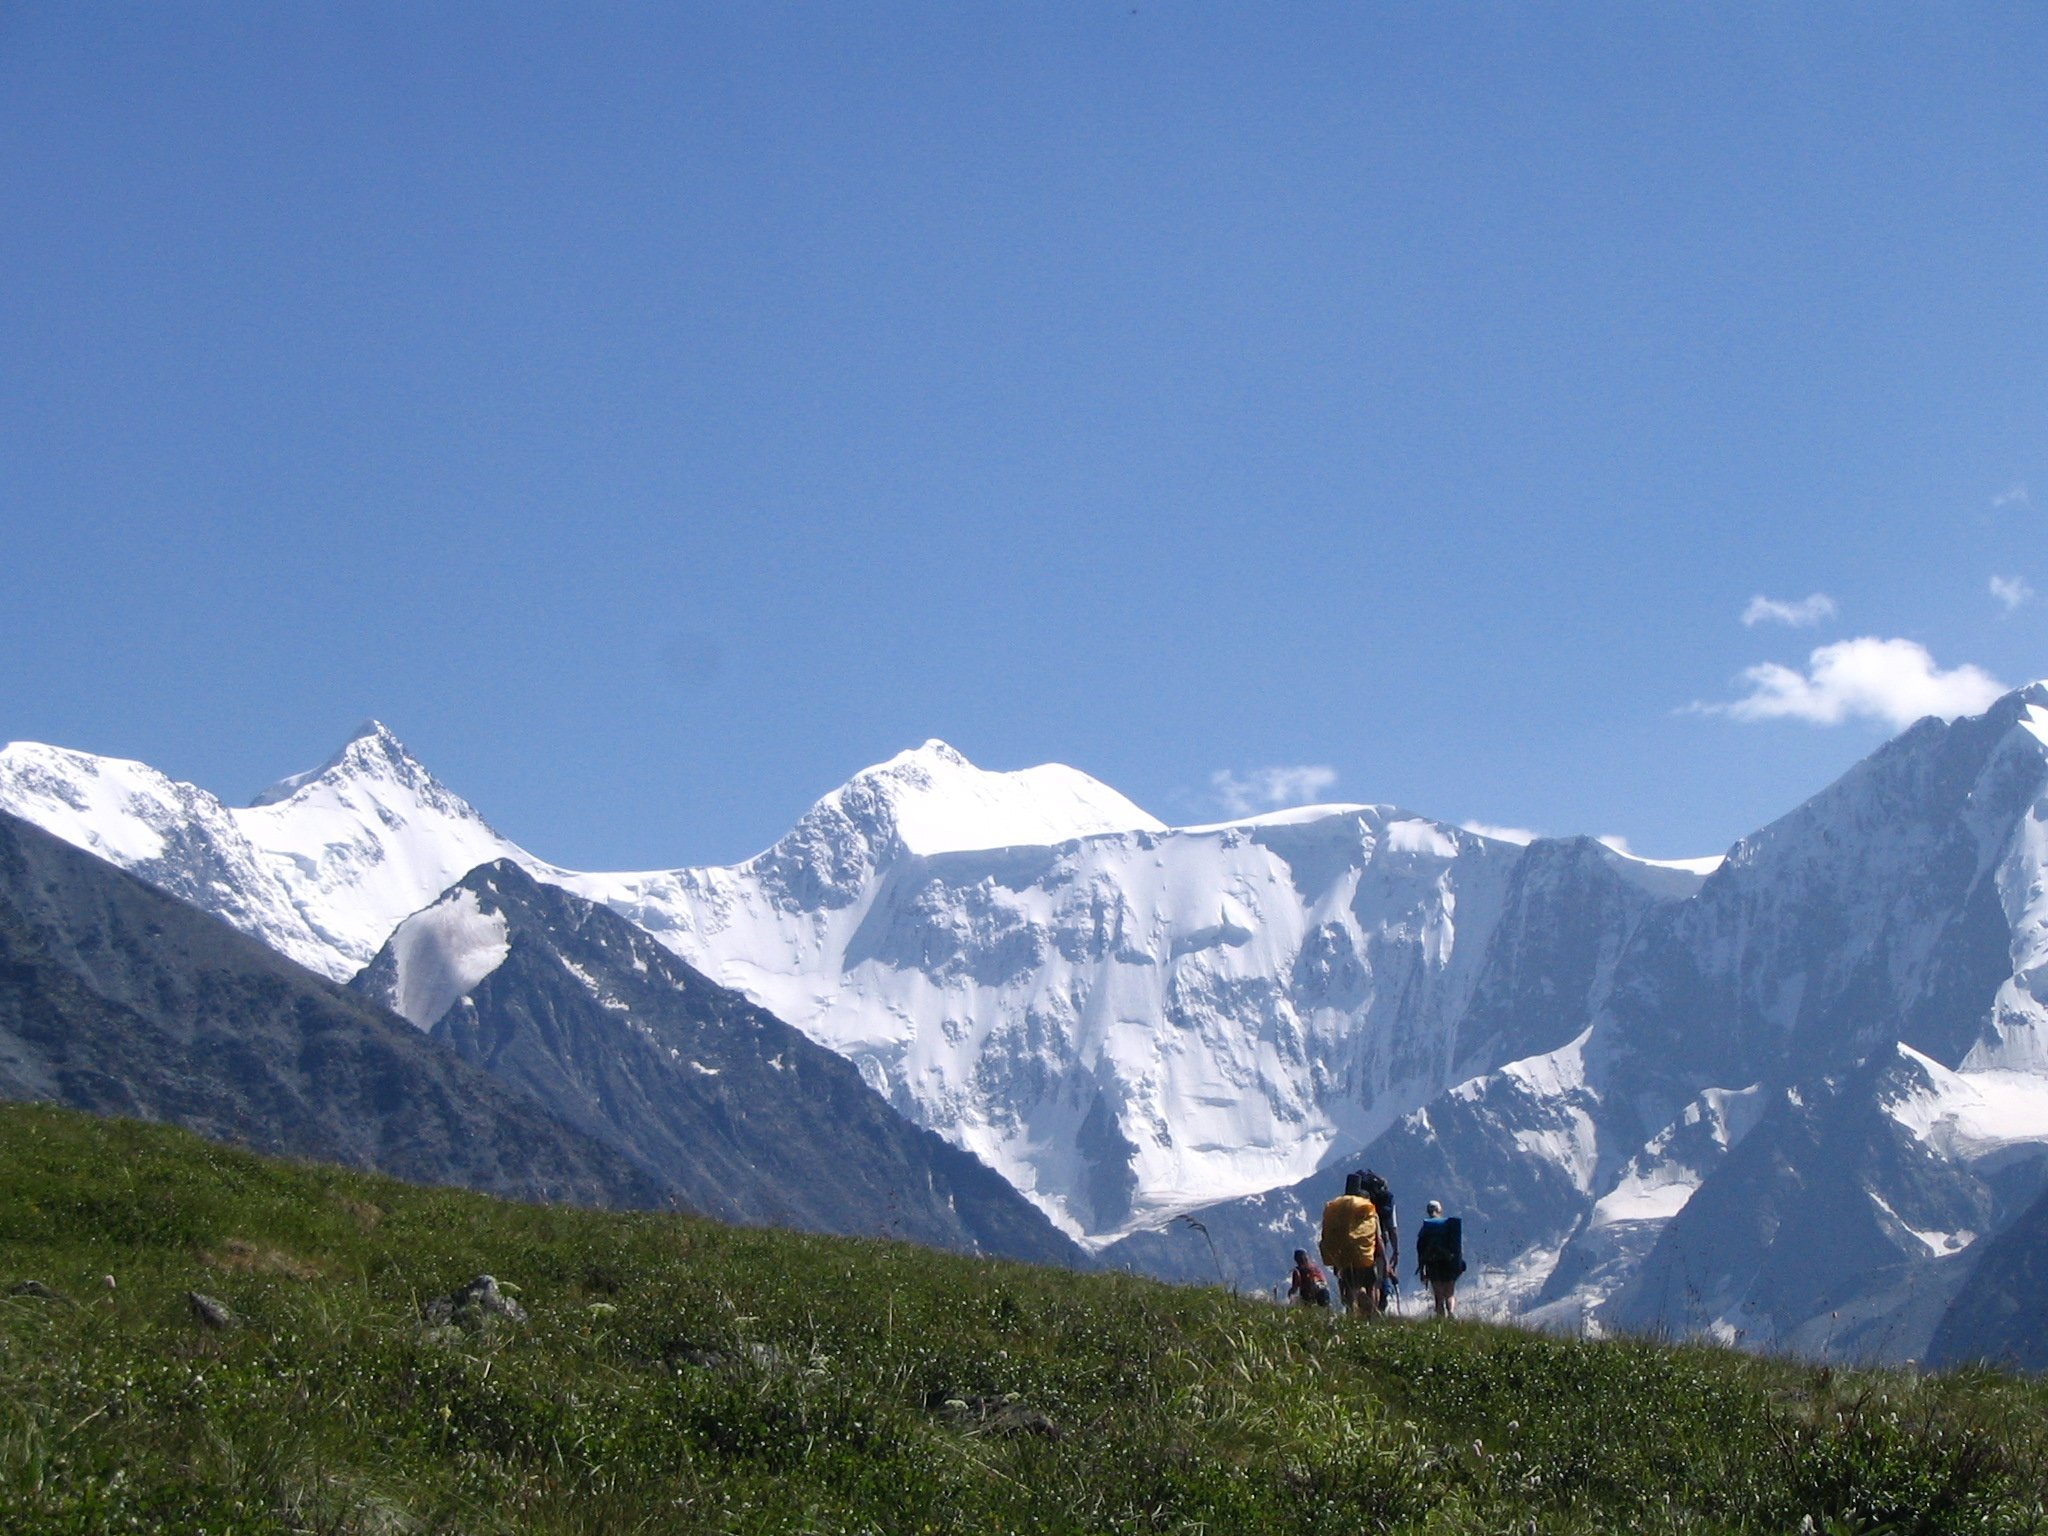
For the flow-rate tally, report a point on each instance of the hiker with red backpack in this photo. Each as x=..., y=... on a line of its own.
x=1305, y=1284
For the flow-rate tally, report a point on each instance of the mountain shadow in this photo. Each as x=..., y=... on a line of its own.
x=744, y=1115
x=120, y=999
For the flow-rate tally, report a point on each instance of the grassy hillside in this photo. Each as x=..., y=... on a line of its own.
x=679, y=1376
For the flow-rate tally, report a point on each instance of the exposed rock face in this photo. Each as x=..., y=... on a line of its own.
x=2000, y=1312
x=744, y=1116
x=115, y=997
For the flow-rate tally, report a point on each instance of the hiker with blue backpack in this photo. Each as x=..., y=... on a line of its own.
x=1440, y=1257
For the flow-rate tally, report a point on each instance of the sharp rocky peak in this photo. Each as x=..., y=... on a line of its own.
x=372, y=751
x=506, y=885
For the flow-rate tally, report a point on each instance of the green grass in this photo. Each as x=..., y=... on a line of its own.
x=681, y=1376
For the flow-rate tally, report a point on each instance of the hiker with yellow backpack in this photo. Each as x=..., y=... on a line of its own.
x=1351, y=1247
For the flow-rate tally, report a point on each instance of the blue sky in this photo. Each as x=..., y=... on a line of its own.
x=657, y=413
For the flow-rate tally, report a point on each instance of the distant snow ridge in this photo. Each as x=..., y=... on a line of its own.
x=932, y=801
x=179, y=838
x=322, y=867
x=1130, y=1023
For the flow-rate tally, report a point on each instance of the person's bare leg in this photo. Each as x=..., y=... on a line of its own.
x=1358, y=1292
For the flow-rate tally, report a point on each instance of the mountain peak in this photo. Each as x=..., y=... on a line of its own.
x=936, y=801
x=377, y=834
x=370, y=750
x=376, y=732
x=931, y=800
x=2031, y=695
x=374, y=743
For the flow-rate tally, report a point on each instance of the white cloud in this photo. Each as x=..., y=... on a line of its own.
x=1269, y=789
x=1618, y=843
x=1893, y=681
x=1804, y=614
x=2011, y=591
x=1504, y=834
x=2014, y=495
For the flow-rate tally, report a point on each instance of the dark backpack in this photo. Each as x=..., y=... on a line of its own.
x=1375, y=1189
x=1440, y=1249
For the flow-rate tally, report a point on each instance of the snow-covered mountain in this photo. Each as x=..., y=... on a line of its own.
x=180, y=839
x=1131, y=1020
x=1124, y=1019
x=367, y=839
x=1807, y=1092
x=1585, y=1052
x=322, y=867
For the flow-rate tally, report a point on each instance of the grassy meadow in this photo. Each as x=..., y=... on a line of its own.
x=679, y=1376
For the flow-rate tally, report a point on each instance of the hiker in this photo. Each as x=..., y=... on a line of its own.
x=1440, y=1257
x=1375, y=1189
x=1351, y=1246
x=1306, y=1284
